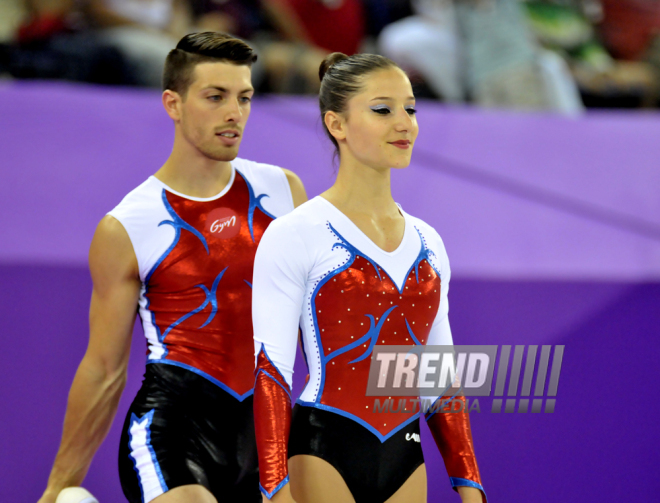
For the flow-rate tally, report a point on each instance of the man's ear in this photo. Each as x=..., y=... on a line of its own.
x=172, y=103
x=336, y=125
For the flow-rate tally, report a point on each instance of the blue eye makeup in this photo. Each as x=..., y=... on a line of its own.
x=381, y=109
x=385, y=110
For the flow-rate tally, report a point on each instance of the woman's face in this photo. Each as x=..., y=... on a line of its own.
x=379, y=125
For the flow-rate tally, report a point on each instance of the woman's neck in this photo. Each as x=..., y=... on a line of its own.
x=363, y=190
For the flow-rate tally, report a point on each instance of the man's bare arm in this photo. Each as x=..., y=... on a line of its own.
x=101, y=376
x=297, y=188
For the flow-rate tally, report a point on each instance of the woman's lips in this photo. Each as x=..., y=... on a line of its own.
x=403, y=144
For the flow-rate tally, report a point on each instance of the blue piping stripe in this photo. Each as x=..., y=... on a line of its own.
x=410, y=332
x=255, y=202
x=360, y=421
x=354, y=252
x=371, y=336
x=424, y=254
x=179, y=223
x=161, y=479
x=270, y=495
x=275, y=380
x=211, y=298
x=440, y=398
x=263, y=349
x=317, y=331
x=459, y=482
x=221, y=385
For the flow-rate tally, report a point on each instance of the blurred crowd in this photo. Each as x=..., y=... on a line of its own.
x=559, y=55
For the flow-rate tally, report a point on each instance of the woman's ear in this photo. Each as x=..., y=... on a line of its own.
x=335, y=124
x=172, y=102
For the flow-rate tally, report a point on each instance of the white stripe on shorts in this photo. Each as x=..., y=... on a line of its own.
x=144, y=459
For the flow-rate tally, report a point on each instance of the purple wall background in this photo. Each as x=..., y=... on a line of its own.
x=552, y=226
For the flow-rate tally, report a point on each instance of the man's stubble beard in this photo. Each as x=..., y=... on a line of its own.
x=196, y=136
x=219, y=153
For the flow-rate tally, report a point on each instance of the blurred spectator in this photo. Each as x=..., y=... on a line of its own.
x=12, y=13
x=629, y=26
x=306, y=31
x=144, y=31
x=380, y=13
x=506, y=67
x=333, y=25
x=570, y=28
x=51, y=43
x=480, y=49
x=241, y=18
x=428, y=44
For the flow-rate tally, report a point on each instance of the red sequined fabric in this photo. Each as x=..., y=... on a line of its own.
x=272, y=422
x=200, y=295
x=363, y=304
x=453, y=436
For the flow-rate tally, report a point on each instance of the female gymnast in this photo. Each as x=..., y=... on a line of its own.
x=352, y=270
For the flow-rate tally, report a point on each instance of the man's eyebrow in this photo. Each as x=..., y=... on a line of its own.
x=387, y=98
x=223, y=90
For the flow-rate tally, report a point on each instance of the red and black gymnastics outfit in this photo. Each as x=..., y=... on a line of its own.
x=315, y=269
x=192, y=420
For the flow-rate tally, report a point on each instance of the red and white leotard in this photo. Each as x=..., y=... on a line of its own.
x=315, y=269
x=195, y=258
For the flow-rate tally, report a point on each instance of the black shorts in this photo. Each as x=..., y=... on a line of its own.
x=373, y=471
x=182, y=429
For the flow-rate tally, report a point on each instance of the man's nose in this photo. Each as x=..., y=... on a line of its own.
x=233, y=112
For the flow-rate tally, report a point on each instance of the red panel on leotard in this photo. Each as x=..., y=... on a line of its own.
x=342, y=307
x=217, y=343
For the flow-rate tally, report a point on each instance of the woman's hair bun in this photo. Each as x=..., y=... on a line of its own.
x=329, y=61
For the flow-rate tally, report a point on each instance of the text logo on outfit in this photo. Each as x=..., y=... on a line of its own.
x=223, y=223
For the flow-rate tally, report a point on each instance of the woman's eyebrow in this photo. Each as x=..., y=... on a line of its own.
x=387, y=98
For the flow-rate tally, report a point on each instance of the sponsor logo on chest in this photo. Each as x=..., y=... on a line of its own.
x=223, y=223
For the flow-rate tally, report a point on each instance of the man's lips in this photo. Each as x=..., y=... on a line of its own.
x=403, y=144
x=228, y=133
x=229, y=136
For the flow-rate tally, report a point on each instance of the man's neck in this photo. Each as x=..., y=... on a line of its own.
x=195, y=175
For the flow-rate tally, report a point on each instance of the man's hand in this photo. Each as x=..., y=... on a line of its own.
x=49, y=496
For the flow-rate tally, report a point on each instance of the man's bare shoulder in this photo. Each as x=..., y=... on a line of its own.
x=111, y=249
x=297, y=188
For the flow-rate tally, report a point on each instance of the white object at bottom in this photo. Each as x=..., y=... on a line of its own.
x=75, y=495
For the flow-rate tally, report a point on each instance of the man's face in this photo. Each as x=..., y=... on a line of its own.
x=214, y=111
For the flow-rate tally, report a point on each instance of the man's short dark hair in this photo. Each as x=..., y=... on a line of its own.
x=206, y=47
